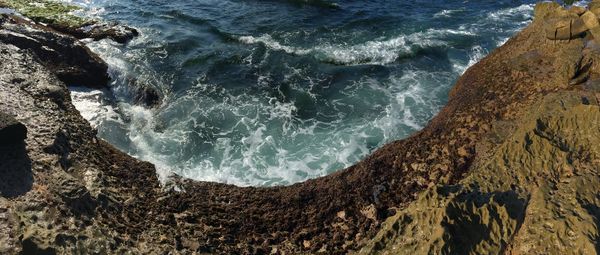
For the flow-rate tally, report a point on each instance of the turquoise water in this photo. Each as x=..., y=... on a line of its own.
x=279, y=91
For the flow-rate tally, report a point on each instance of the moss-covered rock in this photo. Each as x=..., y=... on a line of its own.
x=53, y=13
x=60, y=17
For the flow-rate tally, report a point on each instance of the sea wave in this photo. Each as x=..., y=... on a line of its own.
x=284, y=121
x=524, y=11
x=446, y=13
x=377, y=52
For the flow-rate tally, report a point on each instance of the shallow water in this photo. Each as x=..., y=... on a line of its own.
x=277, y=92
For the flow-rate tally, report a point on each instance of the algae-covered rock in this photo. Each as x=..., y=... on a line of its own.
x=59, y=16
x=53, y=13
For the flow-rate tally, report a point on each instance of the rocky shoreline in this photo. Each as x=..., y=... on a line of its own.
x=509, y=165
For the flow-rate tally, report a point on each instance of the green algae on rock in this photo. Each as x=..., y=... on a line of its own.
x=53, y=13
x=60, y=17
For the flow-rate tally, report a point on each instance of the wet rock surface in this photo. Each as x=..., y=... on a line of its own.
x=508, y=166
x=116, y=32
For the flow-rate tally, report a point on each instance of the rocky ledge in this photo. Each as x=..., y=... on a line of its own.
x=509, y=166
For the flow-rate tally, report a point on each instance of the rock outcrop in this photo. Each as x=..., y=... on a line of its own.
x=533, y=187
x=508, y=166
x=58, y=16
x=63, y=55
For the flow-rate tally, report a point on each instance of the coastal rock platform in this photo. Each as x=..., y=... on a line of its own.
x=509, y=166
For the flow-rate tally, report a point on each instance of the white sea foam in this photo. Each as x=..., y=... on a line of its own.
x=379, y=52
x=249, y=138
x=475, y=55
x=524, y=11
x=266, y=144
x=445, y=13
x=92, y=105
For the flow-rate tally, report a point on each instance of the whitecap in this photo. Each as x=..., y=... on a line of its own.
x=445, y=13
x=524, y=11
x=376, y=52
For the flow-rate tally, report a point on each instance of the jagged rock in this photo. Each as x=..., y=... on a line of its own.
x=144, y=94
x=118, y=33
x=11, y=131
x=147, y=96
x=508, y=202
x=58, y=16
x=72, y=192
x=65, y=56
x=516, y=149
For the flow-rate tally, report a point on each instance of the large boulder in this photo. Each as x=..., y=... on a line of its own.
x=11, y=131
x=591, y=22
x=118, y=33
x=564, y=28
x=590, y=19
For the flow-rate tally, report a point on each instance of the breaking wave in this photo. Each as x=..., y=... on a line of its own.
x=372, y=52
x=297, y=96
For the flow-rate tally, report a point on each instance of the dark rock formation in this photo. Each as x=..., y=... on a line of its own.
x=509, y=165
x=65, y=56
x=118, y=33
x=58, y=16
x=147, y=96
x=11, y=131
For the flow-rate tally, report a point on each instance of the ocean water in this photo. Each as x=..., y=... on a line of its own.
x=274, y=92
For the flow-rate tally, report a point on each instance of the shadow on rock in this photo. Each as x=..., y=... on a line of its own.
x=475, y=217
x=594, y=211
x=16, y=177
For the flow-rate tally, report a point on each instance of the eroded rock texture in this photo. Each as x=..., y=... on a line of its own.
x=64, y=55
x=509, y=166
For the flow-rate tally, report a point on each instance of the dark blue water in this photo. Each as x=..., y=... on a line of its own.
x=277, y=92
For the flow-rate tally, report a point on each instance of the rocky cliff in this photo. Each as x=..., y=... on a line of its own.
x=509, y=166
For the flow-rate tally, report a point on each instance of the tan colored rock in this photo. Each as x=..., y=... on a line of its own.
x=486, y=214
x=564, y=28
x=595, y=32
x=546, y=9
x=591, y=22
x=590, y=19
x=370, y=212
x=341, y=215
x=307, y=244
x=578, y=27
x=578, y=10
